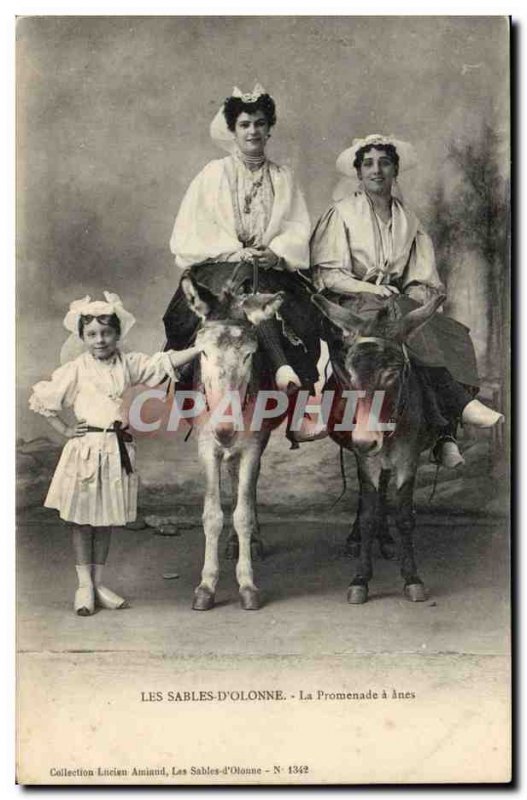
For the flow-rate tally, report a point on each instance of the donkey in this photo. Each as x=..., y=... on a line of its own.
x=227, y=366
x=371, y=355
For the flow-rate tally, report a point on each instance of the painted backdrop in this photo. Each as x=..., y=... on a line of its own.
x=113, y=119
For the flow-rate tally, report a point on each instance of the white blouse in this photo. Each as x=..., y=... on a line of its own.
x=94, y=389
x=207, y=228
x=351, y=238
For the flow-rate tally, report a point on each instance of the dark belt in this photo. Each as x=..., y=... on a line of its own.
x=122, y=437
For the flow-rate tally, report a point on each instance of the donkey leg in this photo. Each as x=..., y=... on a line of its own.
x=257, y=545
x=352, y=544
x=387, y=545
x=245, y=523
x=232, y=549
x=414, y=589
x=369, y=504
x=204, y=594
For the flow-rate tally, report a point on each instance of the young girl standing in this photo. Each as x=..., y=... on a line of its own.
x=95, y=484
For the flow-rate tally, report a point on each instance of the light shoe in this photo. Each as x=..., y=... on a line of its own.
x=449, y=455
x=310, y=431
x=107, y=599
x=284, y=377
x=84, y=603
x=475, y=413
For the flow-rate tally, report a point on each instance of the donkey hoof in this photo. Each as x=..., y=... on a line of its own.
x=352, y=549
x=232, y=551
x=257, y=550
x=203, y=599
x=250, y=599
x=415, y=592
x=388, y=550
x=357, y=594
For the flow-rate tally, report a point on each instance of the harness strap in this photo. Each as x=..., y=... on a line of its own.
x=402, y=393
x=343, y=476
x=387, y=344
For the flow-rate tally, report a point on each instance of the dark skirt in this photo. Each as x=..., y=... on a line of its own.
x=298, y=321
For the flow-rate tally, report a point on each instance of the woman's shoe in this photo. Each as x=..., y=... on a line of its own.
x=310, y=430
x=107, y=599
x=445, y=453
x=448, y=455
x=475, y=413
x=84, y=603
x=287, y=380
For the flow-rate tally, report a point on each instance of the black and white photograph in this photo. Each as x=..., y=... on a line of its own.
x=263, y=403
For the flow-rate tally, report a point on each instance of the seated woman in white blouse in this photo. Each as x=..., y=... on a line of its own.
x=245, y=210
x=370, y=246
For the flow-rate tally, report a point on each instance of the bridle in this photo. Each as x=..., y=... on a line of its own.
x=199, y=384
x=402, y=392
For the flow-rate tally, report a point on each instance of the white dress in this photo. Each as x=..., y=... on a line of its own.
x=90, y=486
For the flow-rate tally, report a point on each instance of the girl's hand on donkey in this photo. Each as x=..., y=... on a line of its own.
x=73, y=431
x=180, y=357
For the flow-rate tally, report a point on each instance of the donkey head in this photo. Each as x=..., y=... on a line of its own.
x=227, y=338
x=373, y=357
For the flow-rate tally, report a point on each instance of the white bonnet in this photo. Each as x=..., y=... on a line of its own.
x=405, y=151
x=111, y=305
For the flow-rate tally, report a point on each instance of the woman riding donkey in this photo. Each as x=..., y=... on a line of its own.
x=369, y=250
x=244, y=225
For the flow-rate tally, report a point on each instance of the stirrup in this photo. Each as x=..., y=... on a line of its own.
x=450, y=456
x=445, y=453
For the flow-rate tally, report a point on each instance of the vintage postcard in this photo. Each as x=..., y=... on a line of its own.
x=263, y=399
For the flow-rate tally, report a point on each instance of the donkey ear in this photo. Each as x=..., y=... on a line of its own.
x=343, y=318
x=415, y=319
x=260, y=307
x=198, y=299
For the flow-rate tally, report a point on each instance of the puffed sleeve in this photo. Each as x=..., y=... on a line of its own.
x=49, y=397
x=330, y=248
x=421, y=270
x=151, y=370
x=200, y=230
x=291, y=241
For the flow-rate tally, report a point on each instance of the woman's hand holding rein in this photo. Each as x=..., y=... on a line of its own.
x=383, y=291
x=263, y=256
x=338, y=281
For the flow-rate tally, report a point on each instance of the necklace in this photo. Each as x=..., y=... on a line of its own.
x=251, y=194
x=251, y=162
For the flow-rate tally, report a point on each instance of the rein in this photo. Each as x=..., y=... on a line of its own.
x=402, y=391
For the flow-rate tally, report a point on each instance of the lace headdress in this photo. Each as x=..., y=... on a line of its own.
x=349, y=183
x=219, y=132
